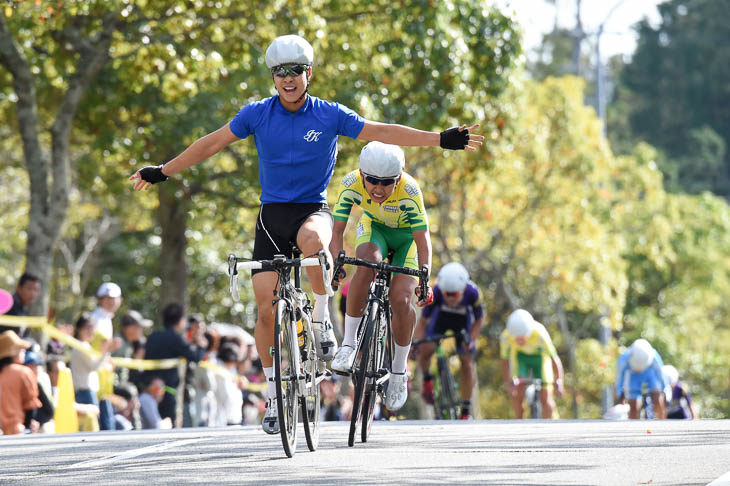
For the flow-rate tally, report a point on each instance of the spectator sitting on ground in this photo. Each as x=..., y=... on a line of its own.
x=126, y=407
x=149, y=401
x=26, y=293
x=19, y=397
x=169, y=343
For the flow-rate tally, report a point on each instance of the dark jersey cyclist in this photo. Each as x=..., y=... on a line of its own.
x=296, y=139
x=455, y=307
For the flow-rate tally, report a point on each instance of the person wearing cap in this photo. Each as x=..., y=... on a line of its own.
x=296, y=139
x=18, y=385
x=393, y=219
x=527, y=351
x=641, y=365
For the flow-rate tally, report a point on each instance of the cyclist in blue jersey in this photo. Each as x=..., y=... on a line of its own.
x=640, y=364
x=296, y=139
x=455, y=307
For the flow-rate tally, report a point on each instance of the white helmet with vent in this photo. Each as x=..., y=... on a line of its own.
x=520, y=323
x=382, y=160
x=453, y=277
x=289, y=49
x=641, y=356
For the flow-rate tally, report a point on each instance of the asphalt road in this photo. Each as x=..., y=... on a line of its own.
x=481, y=452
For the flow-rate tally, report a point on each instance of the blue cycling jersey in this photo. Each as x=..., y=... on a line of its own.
x=297, y=151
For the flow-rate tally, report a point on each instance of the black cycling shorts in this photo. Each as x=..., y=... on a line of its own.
x=277, y=226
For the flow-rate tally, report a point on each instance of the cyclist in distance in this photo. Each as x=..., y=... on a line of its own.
x=394, y=218
x=455, y=307
x=296, y=140
x=528, y=352
x=641, y=364
x=680, y=400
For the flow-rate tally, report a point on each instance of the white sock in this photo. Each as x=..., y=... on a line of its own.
x=351, y=324
x=270, y=383
x=320, y=307
x=400, y=357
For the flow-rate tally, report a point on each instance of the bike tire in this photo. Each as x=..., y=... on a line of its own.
x=359, y=381
x=377, y=359
x=310, y=402
x=449, y=403
x=285, y=344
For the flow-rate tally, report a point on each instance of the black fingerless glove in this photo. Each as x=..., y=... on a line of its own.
x=453, y=139
x=152, y=174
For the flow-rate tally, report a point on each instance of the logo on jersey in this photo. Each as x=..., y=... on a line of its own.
x=349, y=180
x=411, y=189
x=312, y=136
x=390, y=209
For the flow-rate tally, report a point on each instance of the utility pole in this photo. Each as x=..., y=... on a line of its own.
x=600, y=94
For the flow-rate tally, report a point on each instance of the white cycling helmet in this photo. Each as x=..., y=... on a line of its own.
x=520, y=323
x=289, y=49
x=642, y=354
x=671, y=373
x=453, y=277
x=382, y=160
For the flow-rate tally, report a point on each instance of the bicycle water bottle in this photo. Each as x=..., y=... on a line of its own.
x=300, y=333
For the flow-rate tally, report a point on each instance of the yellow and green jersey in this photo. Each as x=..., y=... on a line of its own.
x=403, y=209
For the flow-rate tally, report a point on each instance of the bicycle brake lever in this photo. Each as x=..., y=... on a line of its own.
x=233, y=277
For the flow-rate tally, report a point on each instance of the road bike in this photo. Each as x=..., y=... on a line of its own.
x=297, y=369
x=445, y=392
x=533, y=387
x=374, y=342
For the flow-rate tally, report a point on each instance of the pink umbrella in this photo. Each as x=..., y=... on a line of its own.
x=6, y=301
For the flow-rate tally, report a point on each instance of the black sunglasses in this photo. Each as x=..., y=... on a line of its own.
x=292, y=70
x=383, y=182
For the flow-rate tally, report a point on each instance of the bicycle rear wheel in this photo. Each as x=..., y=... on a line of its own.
x=448, y=404
x=285, y=375
x=310, y=402
x=360, y=378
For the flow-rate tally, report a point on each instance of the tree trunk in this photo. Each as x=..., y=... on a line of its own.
x=571, y=342
x=172, y=218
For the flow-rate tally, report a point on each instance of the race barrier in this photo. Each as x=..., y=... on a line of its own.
x=69, y=424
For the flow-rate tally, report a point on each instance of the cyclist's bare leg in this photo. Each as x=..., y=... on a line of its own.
x=466, y=384
x=263, y=288
x=360, y=283
x=660, y=409
x=425, y=351
x=404, y=315
x=634, y=408
x=517, y=398
x=548, y=404
x=315, y=234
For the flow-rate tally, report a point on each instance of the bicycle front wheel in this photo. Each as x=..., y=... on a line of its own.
x=448, y=399
x=380, y=350
x=310, y=402
x=286, y=376
x=360, y=377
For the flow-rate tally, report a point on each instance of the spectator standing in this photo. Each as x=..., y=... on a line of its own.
x=44, y=414
x=18, y=386
x=228, y=393
x=170, y=343
x=109, y=298
x=149, y=401
x=132, y=340
x=26, y=293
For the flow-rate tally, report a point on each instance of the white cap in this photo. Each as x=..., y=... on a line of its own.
x=453, y=277
x=671, y=373
x=109, y=289
x=289, y=49
x=641, y=356
x=382, y=160
x=520, y=323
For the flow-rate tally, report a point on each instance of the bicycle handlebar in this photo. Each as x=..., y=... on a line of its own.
x=440, y=337
x=279, y=262
x=383, y=266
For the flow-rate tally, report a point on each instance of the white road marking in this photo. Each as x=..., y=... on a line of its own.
x=134, y=453
x=723, y=480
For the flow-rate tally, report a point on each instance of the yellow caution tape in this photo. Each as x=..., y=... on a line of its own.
x=138, y=364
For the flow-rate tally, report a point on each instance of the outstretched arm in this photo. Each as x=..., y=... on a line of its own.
x=197, y=152
x=407, y=136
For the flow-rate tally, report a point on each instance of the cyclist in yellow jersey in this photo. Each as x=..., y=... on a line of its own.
x=527, y=351
x=394, y=218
